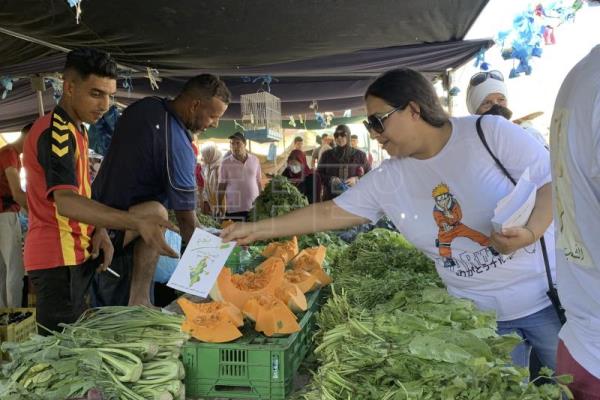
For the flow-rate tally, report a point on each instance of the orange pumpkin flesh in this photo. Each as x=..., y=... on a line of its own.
x=314, y=268
x=292, y=296
x=238, y=289
x=315, y=253
x=213, y=322
x=284, y=250
x=211, y=328
x=271, y=316
x=193, y=310
x=304, y=280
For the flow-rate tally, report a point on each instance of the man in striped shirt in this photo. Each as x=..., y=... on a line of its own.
x=67, y=228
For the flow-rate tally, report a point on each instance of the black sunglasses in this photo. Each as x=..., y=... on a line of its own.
x=375, y=122
x=481, y=77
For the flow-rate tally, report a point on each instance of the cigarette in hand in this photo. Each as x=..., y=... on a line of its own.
x=112, y=271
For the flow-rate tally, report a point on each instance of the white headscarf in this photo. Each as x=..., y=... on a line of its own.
x=211, y=157
x=211, y=154
x=476, y=94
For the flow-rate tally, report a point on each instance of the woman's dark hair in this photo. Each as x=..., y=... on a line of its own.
x=342, y=129
x=88, y=61
x=400, y=86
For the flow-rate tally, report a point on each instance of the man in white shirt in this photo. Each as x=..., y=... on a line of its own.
x=575, y=152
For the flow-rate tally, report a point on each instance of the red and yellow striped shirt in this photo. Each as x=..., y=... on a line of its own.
x=55, y=157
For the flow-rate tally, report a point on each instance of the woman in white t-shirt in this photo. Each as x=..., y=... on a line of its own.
x=440, y=189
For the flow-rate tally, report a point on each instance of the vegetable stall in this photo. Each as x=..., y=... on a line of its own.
x=369, y=319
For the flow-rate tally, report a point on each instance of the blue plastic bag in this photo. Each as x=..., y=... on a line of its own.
x=166, y=265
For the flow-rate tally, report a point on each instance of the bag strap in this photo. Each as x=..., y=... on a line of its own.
x=507, y=174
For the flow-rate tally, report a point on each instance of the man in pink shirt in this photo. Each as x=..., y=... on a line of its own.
x=239, y=181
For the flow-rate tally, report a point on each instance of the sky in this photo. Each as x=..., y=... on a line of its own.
x=537, y=92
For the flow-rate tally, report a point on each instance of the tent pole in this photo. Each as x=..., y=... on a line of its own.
x=37, y=84
x=447, y=86
x=40, y=99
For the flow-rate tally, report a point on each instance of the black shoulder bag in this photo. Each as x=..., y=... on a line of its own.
x=552, y=293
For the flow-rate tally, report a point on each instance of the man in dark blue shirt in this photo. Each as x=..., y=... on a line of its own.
x=150, y=165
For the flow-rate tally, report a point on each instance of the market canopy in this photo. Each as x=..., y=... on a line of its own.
x=327, y=51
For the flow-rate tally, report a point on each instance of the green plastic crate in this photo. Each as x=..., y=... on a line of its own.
x=252, y=367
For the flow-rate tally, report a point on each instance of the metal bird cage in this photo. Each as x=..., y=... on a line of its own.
x=261, y=117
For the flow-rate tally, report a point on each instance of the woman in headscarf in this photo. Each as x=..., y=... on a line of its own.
x=211, y=156
x=487, y=94
x=299, y=173
x=340, y=167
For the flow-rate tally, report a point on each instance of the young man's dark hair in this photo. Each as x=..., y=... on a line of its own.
x=298, y=139
x=354, y=136
x=88, y=61
x=205, y=87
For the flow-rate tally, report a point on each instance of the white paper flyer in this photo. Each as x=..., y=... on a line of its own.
x=514, y=210
x=201, y=263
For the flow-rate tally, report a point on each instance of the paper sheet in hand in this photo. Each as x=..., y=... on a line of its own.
x=514, y=210
x=201, y=263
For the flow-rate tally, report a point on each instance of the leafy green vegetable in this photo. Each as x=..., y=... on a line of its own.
x=391, y=331
x=207, y=220
x=278, y=197
x=381, y=265
x=376, y=252
x=129, y=353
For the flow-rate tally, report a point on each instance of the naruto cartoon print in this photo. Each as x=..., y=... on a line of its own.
x=448, y=215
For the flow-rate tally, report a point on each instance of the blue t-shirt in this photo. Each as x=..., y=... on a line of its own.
x=150, y=158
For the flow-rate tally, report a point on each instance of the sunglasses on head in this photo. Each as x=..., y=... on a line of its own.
x=375, y=122
x=481, y=77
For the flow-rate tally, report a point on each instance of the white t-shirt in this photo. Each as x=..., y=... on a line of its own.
x=575, y=149
x=454, y=229
x=537, y=135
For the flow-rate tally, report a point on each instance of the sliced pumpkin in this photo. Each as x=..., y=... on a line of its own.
x=215, y=328
x=194, y=310
x=292, y=296
x=269, y=263
x=284, y=250
x=313, y=267
x=213, y=322
x=304, y=280
x=238, y=289
x=270, y=315
x=316, y=253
